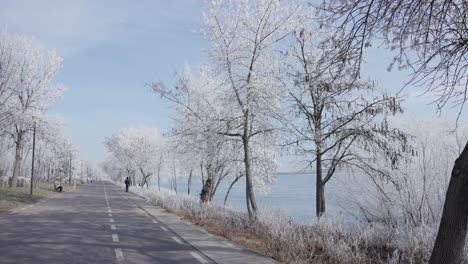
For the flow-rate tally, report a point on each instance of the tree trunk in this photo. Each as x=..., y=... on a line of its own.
x=133, y=177
x=320, y=186
x=450, y=241
x=71, y=174
x=206, y=190
x=189, y=184
x=174, y=177
x=229, y=190
x=48, y=172
x=251, y=204
x=18, y=159
x=159, y=181
x=159, y=172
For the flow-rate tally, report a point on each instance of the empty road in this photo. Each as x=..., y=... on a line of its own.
x=99, y=223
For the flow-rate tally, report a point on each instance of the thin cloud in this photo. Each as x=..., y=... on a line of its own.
x=74, y=26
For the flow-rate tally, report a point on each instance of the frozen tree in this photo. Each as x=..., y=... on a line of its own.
x=28, y=73
x=137, y=149
x=113, y=168
x=334, y=120
x=244, y=67
x=244, y=36
x=54, y=151
x=431, y=39
x=414, y=194
x=195, y=135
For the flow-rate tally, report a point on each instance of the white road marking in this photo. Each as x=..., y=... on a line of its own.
x=23, y=208
x=164, y=228
x=206, y=232
x=119, y=254
x=12, y=212
x=109, y=210
x=113, y=227
x=176, y=239
x=155, y=221
x=31, y=205
x=115, y=238
x=198, y=257
x=110, y=215
x=228, y=244
x=111, y=220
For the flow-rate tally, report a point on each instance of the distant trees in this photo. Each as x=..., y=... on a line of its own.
x=138, y=151
x=55, y=154
x=431, y=40
x=27, y=71
x=26, y=92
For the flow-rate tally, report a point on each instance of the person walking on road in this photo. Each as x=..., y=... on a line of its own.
x=127, y=183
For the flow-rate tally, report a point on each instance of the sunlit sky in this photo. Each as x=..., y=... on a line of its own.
x=113, y=48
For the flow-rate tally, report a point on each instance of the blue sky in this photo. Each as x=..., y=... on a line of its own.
x=113, y=48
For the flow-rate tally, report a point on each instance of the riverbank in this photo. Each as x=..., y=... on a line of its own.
x=277, y=235
x=11, y=198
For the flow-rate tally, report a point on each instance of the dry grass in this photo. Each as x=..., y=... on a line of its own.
x=275, y=234
x=11, y=198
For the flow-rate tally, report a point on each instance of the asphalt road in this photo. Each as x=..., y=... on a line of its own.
x=94, y=223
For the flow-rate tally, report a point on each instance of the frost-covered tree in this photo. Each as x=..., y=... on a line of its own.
x=431, y=40
x=29, y=70
x=244, y=67
x=195, y=135
x=244, y=36
x=334, y=120
x=414, y=194
x=137, y=149
x=54, y=151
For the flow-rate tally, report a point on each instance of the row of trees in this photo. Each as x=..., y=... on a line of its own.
x=287, y=75
x=266, y=85
x=26, y=93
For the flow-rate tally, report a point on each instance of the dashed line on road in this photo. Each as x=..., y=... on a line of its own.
x=111, y=220
x=115, y=238
x=228, y=244
x=119, y=254
x=113, y=227
x=164, y=228
x=198, y=257
x=176, y=239
x=206, y=232
x=109, y=210
x=110, y=215
x=155, y=221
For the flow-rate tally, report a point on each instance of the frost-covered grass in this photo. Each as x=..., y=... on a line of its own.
x=11, y=198
x=326, y=241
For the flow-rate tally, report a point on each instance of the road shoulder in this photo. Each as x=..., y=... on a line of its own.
x=214, y=247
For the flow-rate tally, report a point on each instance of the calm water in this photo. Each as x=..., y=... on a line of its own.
x=293, y=193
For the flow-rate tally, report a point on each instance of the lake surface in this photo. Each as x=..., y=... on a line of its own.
x=292, y=193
